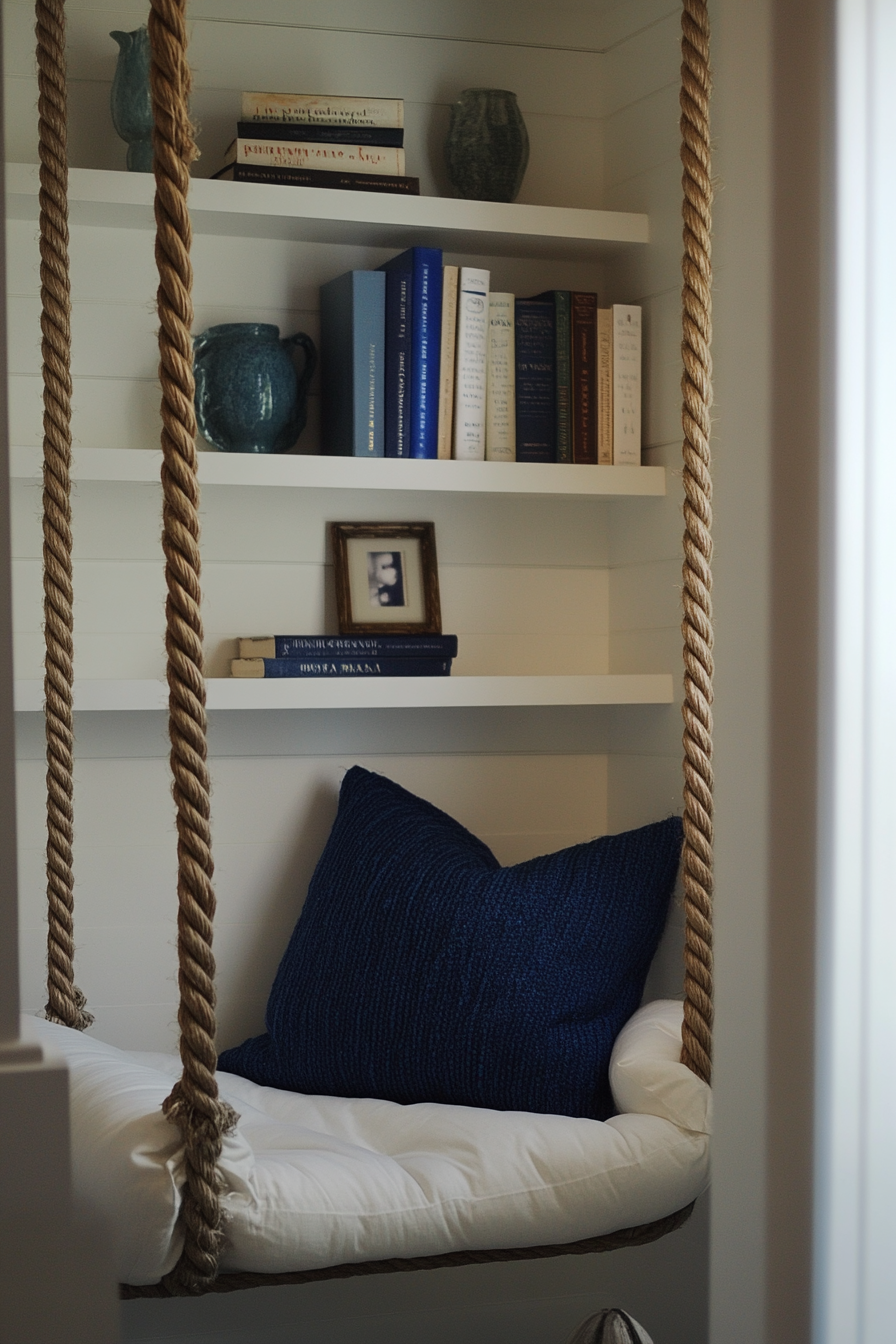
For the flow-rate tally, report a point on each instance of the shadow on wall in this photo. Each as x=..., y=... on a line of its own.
x=276, y=911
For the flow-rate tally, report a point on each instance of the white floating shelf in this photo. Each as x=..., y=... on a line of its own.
x=349, y=473
x=227, y=693
x=318, y=215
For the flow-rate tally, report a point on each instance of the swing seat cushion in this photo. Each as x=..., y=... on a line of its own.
x=421, y=970
x=315, y=1181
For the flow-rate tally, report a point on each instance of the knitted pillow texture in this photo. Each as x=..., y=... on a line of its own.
x=421, y=970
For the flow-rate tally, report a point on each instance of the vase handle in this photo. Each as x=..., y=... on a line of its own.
x=299, y=339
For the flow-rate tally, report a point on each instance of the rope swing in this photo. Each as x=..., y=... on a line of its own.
x=696, y=392
x=194, y=1103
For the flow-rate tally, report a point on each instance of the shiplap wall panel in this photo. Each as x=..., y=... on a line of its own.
x=273, y=815
x=115, y=355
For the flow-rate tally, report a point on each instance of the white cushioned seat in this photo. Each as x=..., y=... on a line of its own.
x=318, y=1181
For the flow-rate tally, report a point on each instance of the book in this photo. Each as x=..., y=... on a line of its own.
x=536, y=402
x=447, y=361
x=270, y=668
x=500, y=403
x=311, y=131
x=317, y=177
x=398, y=357
x=352, y=354
x=317, y=107
x=471, y=364
x=425, y=266
x=562, y=371
x=353, y=158
x=583, y=329
x=605, y=386
x=350, y=646
x=626, y=385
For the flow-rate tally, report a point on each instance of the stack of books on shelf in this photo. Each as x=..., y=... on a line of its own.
x=424, y=360
x=316, y=656
x=306, y=140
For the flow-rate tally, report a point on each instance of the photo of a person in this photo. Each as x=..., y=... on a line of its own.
x=385, y=578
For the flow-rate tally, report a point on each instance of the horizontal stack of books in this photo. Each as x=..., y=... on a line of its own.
x=317, y=656
x=306, y=140
x=424, y=360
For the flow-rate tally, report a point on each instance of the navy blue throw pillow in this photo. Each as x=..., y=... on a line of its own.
x=421, y=970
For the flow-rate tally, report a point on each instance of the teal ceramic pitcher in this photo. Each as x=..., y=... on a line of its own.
x=249, y=398
x=131, y=99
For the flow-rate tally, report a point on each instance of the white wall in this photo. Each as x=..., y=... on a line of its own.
x=596, y=584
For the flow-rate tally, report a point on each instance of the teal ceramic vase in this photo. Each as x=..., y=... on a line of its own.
x=487, y=149
x=131, y=98
x=249, y=398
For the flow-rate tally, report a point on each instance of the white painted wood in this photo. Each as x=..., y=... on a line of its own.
x=244, y=209
x=346, y=473
x=375, y=692
x=520, y=563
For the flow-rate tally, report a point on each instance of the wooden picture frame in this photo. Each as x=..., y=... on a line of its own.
x=377, y=581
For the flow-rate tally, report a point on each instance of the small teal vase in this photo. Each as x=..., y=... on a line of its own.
x=249, y=398
x=487, y=150
x=131, y=98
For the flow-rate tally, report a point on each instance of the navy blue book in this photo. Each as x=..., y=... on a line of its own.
x=352, y=352
x=389, y=136
x=398, y=358
x=350, y=646
x=425, y=264
x=536, y=369
x=340, y=667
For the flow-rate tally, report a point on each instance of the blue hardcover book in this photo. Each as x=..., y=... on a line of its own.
x=425, y=265
x=536, y=359
x=398, y=356
x=352, y=354
x=350, y=646
x=340, y=667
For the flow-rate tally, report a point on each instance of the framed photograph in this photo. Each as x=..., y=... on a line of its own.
x=387, y=579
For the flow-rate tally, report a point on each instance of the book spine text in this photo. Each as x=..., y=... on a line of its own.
x=500, y=412
x=354, y=158
x=447, y=360
x=312, y=668
x=536, y=423
x=472, y=360
x=583, y=310
x=564, y=374
x=626, y=385
x=605, y=386
x=302, y=107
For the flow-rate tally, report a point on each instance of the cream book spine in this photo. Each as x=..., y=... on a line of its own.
x=446, y=361
x=605, y=387
x=626, y=385
x=320, y=110
x=247, y=667
x=500, y=404
x=472, y=361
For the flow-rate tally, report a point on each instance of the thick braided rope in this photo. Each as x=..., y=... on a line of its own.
x=696, y=386
x=194, y=1102
x=65, y=1002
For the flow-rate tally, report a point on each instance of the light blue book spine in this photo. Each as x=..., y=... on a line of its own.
x=353, y=350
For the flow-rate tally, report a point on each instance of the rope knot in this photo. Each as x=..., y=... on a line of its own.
x=200, y=1116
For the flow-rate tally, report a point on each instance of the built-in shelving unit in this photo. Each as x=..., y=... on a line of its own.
x=243, y=211
x=225, y=693
x=318, y=215
x=348, y=473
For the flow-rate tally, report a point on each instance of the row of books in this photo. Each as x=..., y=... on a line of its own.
x=310, y=140
x=317, y=656
x=423, y=360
